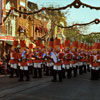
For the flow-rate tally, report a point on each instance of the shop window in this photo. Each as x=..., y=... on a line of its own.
x=20, y=8
x=19, y=15
x=25, y=10
x=24, y=16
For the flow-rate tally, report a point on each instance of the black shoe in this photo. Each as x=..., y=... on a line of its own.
x=64, y=77
x=60, y=80
x=46, y=74
x=69, y=76
x=91, y=78
x=40, y=77
x=84, y=71
x=34, y=76
x=20, y=80
x=10, y=76
x=27, y=80
x=75, y=75
x=80, y=73
x=53, y=80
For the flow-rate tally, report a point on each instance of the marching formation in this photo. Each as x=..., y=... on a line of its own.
x=75, y=58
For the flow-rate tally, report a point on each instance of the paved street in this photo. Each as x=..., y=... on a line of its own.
x=80, y=88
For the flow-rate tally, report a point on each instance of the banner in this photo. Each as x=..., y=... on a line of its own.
x=0, y=12
x=7, y=38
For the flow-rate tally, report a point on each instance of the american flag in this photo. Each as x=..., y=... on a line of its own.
x=54, y=57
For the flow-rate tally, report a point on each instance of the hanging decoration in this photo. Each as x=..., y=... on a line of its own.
x=7, y=15
x=96, y=21
x=76, y=4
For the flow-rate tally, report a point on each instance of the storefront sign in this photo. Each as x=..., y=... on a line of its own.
x=7, y=38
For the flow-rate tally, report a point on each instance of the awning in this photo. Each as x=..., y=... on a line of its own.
x=7, y=38
x=9, y=42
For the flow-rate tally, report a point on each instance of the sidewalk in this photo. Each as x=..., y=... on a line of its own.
x=1, y=76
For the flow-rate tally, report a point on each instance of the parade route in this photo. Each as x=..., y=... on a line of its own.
x=79, y=88
x=49, y=50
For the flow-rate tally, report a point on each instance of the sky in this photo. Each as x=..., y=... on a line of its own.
x=81, y=15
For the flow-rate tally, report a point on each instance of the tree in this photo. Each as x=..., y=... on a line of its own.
x=56, y=17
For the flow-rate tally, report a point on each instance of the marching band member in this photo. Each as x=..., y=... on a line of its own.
x=57, y=58
x=87, y=58
x=37, y=60
x=74, y=60
x=90, y=54
x=84, y=58
x=49, y=62
x=23, y=62
x=42, y=52
x=13, y=60
x=94, y=61
x=66, y=59
x=30, y=58
x=80, y=63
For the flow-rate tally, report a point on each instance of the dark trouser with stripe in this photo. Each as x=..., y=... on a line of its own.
x=37, y=71
x=44, y=67
x=75, y=71
x=84, y=67
x=55, y=72
x=80, y=70
x=88, y=68
x=69, y=73
x=22, y=73
x=94, y=74
x=30, y=68
x=40, y=72
x=63, y=73
x=12, y=71
x=49, y=70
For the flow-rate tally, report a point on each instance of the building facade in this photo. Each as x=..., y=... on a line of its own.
x=37, y=23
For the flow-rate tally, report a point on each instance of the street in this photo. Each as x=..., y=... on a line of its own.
x=49, y=50
x=79, y=88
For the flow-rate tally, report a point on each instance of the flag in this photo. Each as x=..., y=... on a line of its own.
x=54, y=57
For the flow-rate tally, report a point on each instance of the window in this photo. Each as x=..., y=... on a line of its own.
x=19, y=10
x=25, y=10
x=24, y=16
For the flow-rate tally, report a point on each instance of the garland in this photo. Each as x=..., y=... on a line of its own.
x=96, y=21
x=76, y=4
x=7, y=16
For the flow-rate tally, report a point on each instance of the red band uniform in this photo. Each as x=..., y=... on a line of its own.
x=49, y=61
x=13, y=60
x=23, y=61
x=74, y=60
x=37, y=60
x=66, y=59
x=30, y=58
x=94, y=61
x=58, y=57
